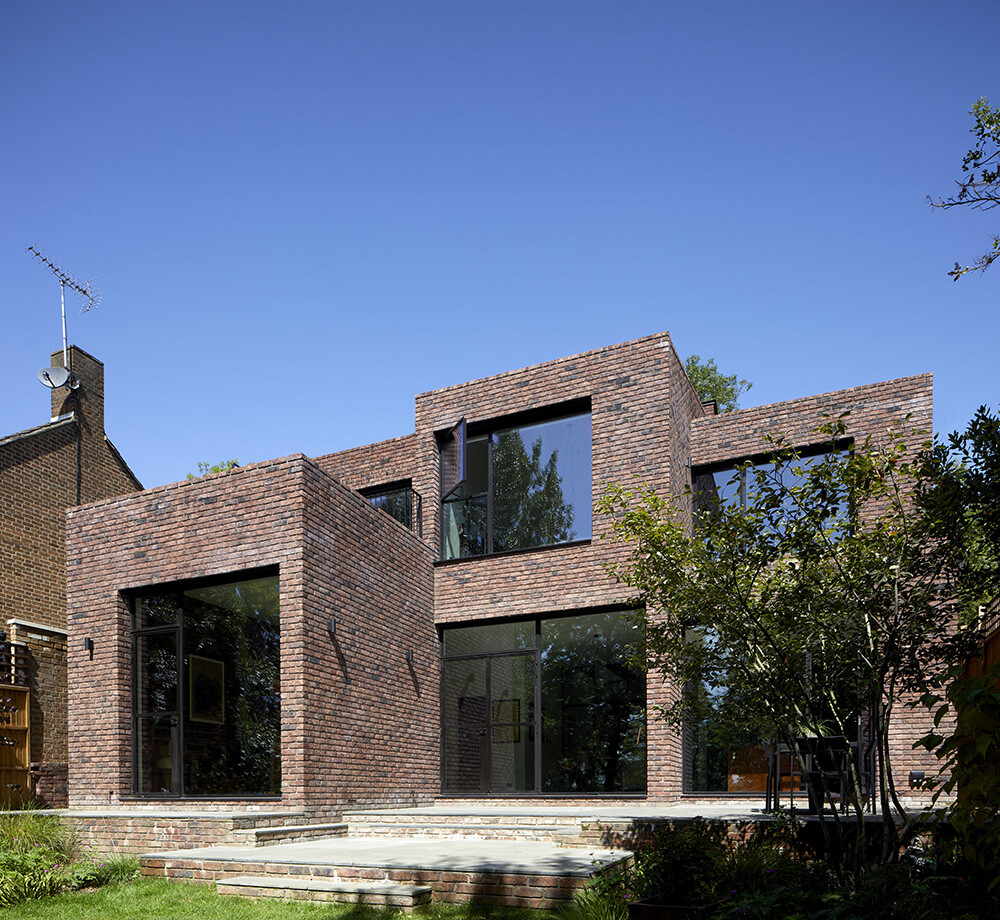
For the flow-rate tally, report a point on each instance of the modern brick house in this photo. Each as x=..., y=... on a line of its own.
x=424, y=617
x=43, y=471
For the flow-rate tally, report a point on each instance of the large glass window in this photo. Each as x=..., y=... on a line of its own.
x=736, y=485
x=720, y=756
x=518, y=487
x=553, y=705
x=206, y=689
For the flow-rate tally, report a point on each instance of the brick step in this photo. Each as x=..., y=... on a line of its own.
x=308, y=888
x=521, y=874
x=264, y=836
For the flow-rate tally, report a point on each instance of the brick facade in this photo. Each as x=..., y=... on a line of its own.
x=44, y=471
x=360, y=723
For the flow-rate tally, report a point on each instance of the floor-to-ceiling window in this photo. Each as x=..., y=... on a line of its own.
x=206, y=689
x=553, y=705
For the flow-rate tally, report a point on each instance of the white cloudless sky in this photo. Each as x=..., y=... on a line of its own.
x=303, y=213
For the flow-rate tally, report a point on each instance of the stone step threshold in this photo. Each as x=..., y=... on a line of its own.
x=449, y=828
x=310, y=888
x=264, y=836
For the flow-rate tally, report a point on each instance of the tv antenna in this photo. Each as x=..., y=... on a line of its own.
x=62, y=376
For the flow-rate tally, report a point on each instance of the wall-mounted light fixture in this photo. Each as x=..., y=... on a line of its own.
x=331, y=627
x=916, y=778
x=409, y=656
x=88, y=646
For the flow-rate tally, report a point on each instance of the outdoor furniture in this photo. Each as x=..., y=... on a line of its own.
x=827, y=761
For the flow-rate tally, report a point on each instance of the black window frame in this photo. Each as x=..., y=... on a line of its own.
x=743, y=465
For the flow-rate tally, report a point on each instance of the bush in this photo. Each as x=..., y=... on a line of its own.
x=110, y=870
x=31, y=829
x=38, y=858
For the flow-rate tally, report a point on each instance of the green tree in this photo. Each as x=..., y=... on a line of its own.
x=959, y=493
x=806, y=622
x=205, y=468
x=710, y=383
x=979, y=188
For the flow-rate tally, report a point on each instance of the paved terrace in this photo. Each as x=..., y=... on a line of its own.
x=534, y=855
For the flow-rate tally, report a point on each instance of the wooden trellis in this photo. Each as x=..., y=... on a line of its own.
x=15, y=728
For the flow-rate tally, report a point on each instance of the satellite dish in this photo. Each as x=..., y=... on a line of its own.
x=54, y=377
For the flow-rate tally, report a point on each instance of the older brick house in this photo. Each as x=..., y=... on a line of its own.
x=423, y=617
x=43, y=471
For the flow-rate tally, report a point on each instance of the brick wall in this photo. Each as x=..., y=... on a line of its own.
x=874, y=410
x=358, y=722
x=43, y=471
x=371, y=726
x=373, y=464
x=631, y=429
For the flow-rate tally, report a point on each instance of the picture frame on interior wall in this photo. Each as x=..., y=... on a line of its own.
x=506, y=711
x=207, y=690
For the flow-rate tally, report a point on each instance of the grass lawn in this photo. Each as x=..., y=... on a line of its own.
x=169, y=900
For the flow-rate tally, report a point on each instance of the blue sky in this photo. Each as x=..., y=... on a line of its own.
x=303, y=213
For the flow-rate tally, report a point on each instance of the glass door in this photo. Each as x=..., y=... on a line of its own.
x=488, y=722
x=512, y=723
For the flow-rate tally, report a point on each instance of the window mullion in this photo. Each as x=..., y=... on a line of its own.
x=489, y=493
x=177, y=764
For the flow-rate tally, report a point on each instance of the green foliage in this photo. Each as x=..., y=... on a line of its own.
x=205, y=468
x=967, y=791
x=23, y=884
x=30, y=830
x=979, y=188
x=769, y=875
x=39, y=857
x=959, y=496
x=97, y=871
x=681, y=865
x=802, y=618
x=710, y=383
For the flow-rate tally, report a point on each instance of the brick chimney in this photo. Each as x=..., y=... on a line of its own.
x=86, y=403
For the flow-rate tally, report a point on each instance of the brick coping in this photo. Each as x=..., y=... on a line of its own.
x=173, y=814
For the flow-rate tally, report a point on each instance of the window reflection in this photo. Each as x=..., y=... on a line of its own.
x=735, y=487
x=576, y=683
x=208, y=710
x=396, y=501
x=593, y=705
x=524, y=487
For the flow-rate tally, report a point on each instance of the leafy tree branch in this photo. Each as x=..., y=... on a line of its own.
x=979, y=188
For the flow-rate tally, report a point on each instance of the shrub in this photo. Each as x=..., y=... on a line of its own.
x=29, y=829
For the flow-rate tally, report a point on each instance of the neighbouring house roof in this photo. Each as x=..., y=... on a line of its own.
x=60, y=422
x=121, y=460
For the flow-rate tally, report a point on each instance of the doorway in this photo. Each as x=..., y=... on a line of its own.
x=489, y=706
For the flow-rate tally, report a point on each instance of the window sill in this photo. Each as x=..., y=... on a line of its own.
x=513, y=552
x=167, y=797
